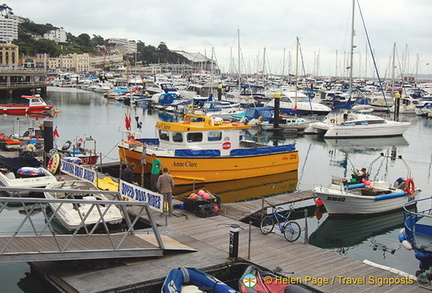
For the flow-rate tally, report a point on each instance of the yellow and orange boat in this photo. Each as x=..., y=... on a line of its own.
x=207, y=149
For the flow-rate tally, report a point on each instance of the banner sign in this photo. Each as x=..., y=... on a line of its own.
x=78, y=172
x=131, y=192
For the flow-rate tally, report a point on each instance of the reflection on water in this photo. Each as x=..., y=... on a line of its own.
x=348, y=231
x=245, y=189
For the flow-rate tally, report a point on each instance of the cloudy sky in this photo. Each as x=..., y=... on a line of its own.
x=266, y=28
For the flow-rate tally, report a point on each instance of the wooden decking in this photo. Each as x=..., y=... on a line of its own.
x=41, y=248
x=240, y=210
x=210, y=238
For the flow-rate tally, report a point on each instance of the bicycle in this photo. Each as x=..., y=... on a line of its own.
x=290, y=229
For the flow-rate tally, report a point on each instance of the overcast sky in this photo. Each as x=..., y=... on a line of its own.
x=270, y=27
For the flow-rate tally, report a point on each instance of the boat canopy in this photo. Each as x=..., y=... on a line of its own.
x=255, y=112
x=14, y=164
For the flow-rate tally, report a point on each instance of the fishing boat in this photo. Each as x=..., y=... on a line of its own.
x=417, y=236
x=207, y=149
x=84, y=149
x=72, y=215
x=356, y=125
x=24, y=172
x=360, y=195
x=35, y=105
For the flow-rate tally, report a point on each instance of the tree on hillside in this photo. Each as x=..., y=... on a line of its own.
x=5, y=10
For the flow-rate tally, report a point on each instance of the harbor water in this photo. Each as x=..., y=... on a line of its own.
x=83, y=113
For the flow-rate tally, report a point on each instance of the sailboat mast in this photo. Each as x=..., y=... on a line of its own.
x=238, y=49
x=352, y=50
x=296, y=73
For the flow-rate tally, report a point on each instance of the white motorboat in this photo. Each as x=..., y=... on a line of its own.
x=298, y=103
x=74, y=216
x=359, y=195
x=24, y=172
x=357, y=125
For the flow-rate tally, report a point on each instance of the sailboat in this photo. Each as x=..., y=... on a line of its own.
x=293, y=102
x=356, y=125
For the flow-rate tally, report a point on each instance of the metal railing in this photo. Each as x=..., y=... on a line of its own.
x=35, y=220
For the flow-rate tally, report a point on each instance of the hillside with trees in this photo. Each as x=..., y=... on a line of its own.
x=84, y=43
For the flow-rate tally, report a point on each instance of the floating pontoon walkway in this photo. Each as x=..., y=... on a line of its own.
x=323, y=270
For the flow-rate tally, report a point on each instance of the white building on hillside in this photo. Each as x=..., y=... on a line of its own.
x=58, y=35
x=8, y=28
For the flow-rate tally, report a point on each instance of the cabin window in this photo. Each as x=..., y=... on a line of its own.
x=177, y=137
x=215, y=135
x=194, y=136
x=163, y=135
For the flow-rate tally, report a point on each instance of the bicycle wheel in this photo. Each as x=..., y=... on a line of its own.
x=267, y=224
x=292, y=231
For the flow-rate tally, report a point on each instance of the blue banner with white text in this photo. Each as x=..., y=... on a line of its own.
x=132, y=192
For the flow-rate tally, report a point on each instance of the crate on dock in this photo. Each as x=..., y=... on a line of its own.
x=207, y=210
x=191, y=203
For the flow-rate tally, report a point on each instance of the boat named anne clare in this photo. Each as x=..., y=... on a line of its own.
x=208, y=149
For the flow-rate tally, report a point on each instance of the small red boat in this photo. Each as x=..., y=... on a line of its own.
x=35, y=105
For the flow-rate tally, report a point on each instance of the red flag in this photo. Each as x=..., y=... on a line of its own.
x=128, y=121
x=56, y=133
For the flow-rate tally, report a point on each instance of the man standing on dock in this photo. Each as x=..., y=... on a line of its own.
x=127, y=174
x=155, y=172
x=165, y=184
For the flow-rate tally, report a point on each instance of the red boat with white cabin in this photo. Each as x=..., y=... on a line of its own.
x=35, y=105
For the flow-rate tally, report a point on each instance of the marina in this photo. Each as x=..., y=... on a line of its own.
x=319, y=160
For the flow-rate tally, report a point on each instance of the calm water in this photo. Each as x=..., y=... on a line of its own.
x=85, y=113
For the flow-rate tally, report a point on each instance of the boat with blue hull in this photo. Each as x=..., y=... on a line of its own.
x=417, y=236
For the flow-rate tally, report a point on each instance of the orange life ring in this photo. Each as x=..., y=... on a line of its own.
x=131, y=137
x=410, y=186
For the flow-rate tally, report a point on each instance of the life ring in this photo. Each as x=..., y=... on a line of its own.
x=131, y=137
x=410, y=186
x=54, y=163
x=227, y=88
x=332, y=120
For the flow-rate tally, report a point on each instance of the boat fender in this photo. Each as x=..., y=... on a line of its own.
x=54, y=163
x=401, y=236
x=410, y=186
x=407, y=245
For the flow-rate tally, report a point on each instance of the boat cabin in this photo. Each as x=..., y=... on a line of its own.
x=197, y=132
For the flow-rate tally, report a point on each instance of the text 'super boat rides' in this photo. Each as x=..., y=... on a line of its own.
x=208, y=149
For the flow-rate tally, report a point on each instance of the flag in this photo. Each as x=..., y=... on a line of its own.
x=56, y=133
x=128, y=122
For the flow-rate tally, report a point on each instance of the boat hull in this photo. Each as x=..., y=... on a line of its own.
x=23, y=110
x=68, y=214
x=379, y=130
x=340, y=202
x=189, y=170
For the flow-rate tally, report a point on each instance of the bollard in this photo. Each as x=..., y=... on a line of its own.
x=306, y=238
x=234, y=241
